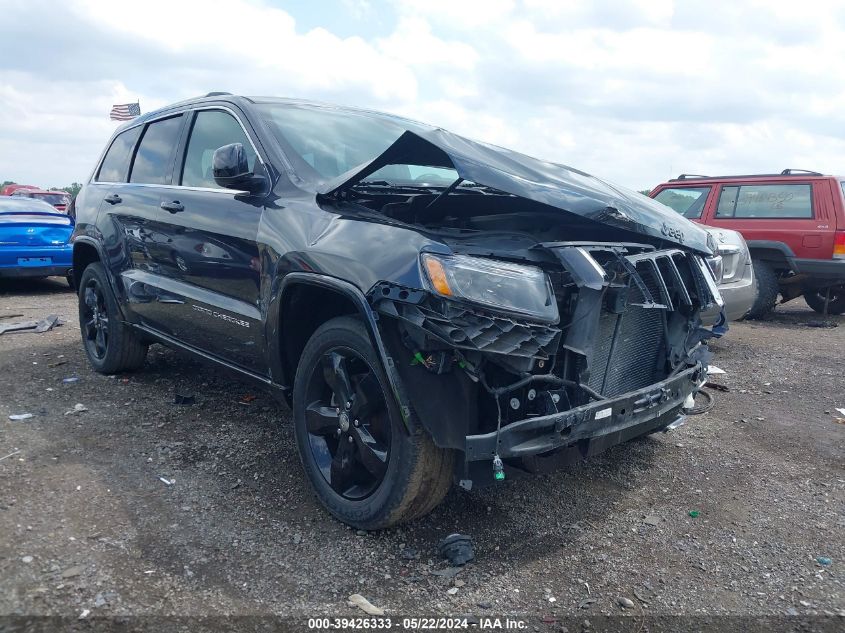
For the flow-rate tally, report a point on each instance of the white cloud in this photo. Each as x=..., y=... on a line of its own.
x=413, y=44
x=630, y=90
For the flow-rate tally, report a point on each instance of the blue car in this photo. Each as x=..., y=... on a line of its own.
x=34, y=239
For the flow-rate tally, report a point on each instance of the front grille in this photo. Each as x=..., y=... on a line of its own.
x=629, y=352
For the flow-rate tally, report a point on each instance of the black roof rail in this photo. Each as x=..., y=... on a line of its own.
x=218, y=94
x=798, y=172
x=685, y=176
x=785, y=172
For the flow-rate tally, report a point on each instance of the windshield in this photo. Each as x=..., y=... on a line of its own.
x=324, y=143
x=688, y=201
x=52, y=198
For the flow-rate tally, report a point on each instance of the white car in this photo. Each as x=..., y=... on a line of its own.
x=734, y=274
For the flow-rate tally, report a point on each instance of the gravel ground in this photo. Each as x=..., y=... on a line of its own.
x=88, y=524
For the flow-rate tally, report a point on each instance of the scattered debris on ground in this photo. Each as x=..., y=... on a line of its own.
x=357, y=600
x=241, y=533
x=179, y=398
x=457, y=549
x=37, y=326
x=12, y=454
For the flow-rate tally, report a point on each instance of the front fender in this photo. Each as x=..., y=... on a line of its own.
x=369, y=317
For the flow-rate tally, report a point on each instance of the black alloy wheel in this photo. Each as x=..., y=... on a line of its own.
x=95, y=319
x=110, y=344
x=348, y=424
x=367, y=465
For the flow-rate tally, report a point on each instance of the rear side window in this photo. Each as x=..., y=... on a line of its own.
x=212, y=129
x=116, y=163
x=688, y=201
x=766, y=201
x=153, y=158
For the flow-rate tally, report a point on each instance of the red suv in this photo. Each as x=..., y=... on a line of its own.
x=794, y=223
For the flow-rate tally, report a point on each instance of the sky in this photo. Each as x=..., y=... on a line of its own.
x=633, y=91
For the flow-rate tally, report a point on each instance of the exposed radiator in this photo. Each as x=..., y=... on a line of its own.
x=637, y=354
x=630, y=348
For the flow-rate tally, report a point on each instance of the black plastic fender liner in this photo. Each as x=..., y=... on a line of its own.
x=370, y=319
x=445, y=404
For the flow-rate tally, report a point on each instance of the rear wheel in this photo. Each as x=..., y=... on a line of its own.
x=766, y=281
x=366, y=469
x=835, y=299
x=110, y=344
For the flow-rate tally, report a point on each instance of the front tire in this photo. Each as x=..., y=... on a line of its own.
x=766, y=281
x=815, y=298
x=110, y=344
x=365, y=468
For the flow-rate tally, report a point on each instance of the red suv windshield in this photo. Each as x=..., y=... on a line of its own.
x=688, y=201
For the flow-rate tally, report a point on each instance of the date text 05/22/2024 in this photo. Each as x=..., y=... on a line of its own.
x=416, y=624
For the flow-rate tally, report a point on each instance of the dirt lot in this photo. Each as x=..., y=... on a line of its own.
x=87, y=523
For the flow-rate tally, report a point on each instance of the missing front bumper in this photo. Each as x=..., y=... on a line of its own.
x=611, y=421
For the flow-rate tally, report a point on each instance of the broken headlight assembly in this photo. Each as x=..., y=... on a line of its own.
x=514, y=288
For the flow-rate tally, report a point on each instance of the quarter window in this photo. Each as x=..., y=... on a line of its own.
x=766, y=201
x=688, y=201
x=116, y=163
x=152, y=160
x=212, y=129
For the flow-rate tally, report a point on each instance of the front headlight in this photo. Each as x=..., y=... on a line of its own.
x=501, y=285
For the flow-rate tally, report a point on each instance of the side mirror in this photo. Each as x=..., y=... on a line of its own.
x=230, y=169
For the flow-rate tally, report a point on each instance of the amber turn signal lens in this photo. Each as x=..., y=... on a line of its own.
x=437, y=276
x=839, y=245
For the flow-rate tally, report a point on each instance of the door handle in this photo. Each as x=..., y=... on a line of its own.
x=113, y=199
x=173, y=207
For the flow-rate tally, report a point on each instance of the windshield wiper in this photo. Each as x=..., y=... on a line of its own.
x=385, y=184
x=475, y=186
x=377, y=183
x=445, y=192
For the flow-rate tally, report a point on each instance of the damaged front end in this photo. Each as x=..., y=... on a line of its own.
x=612, y=352
x=514, y=343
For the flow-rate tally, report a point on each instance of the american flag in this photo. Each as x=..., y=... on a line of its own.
x=125, y=112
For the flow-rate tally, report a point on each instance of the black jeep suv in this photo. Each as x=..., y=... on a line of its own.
x=434, y=309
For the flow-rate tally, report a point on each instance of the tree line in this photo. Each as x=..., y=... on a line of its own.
x=72, y=188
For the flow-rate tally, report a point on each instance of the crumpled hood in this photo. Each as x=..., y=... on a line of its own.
x=552, y=184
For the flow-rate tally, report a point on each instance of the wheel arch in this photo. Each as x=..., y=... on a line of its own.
x=306, y=301
x=776, y=254
x=85, y=253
